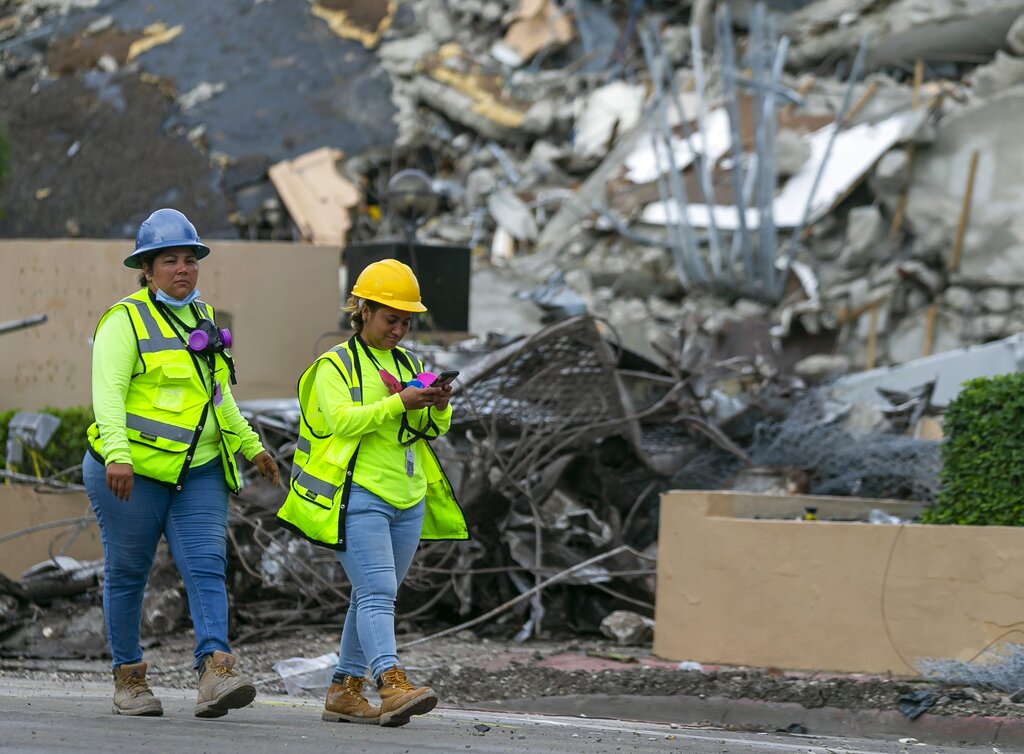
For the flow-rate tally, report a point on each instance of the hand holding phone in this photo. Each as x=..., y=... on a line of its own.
x=445, y=378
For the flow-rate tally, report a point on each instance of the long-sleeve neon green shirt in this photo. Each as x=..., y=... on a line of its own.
x=381, y=464
x=115, y=358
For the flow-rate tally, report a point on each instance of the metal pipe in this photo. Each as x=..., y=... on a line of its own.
x=728, y=65
x=855, y=71
x=21, y=324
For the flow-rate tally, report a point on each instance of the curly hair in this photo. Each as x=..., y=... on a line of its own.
x=354, y=306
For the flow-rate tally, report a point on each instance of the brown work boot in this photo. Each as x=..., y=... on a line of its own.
x=346, y=704
x=132, y=695
x=400, y=700
x=221, y=688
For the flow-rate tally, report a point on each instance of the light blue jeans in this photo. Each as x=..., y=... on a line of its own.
x=195, y=524
x=382, y=541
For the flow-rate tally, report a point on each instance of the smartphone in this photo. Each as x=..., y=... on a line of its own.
x=445, y=378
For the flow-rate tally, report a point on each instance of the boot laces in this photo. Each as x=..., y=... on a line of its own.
x=396, y=679
x=223, y=671
x=135, y=685
x=354, y=687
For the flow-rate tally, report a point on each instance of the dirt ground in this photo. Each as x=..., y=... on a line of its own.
x=465, y=670
x=81, y=168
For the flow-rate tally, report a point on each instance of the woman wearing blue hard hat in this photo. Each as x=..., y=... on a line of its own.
x=162, y=458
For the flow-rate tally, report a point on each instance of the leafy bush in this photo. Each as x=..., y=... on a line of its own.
x=66, y=447
x=982, y=474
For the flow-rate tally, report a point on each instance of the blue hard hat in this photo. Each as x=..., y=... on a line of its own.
x=164, y=229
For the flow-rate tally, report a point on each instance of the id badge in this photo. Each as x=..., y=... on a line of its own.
x=218, y=396
x=410, y=461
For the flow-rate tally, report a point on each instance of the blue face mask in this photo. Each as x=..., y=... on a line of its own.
x=174, y=303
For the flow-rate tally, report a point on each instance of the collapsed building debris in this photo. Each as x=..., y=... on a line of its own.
x=560, y=447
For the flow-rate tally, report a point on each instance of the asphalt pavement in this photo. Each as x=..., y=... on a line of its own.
x=63, y=717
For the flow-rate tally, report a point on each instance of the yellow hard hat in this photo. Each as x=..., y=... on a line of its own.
x=391, y=283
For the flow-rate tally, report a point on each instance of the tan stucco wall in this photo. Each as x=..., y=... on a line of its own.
x=281, y=298
x=22, y=508
x=810, y=595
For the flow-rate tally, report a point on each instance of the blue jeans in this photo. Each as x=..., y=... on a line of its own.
x=194, y=521
x=382, y=541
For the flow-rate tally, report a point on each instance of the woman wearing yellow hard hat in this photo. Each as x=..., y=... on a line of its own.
x=366, y=483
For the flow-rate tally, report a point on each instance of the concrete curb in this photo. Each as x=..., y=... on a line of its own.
x=748, y=714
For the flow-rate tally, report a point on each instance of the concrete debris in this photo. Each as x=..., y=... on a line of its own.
x=153, y=35
x=200, y=93
x=628, y=628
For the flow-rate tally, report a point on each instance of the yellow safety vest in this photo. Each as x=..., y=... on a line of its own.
x=168, y=403
x=324, y=463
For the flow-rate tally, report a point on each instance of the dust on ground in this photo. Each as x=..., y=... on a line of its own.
x=467, y=671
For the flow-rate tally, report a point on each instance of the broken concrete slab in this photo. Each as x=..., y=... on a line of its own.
x=854, y=153
x=992, y=249
x=512, y=214
x=949, y=370
x=610, y=110
x=317, y=196
x=943, y=30
x=402, y=56
x=1004, y=72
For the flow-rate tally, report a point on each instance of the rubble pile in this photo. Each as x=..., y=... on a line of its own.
x=865, y=232
x=830, y=171
x=560, y=446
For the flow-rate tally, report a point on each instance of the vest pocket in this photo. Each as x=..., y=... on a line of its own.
x=313, y=490
x=173, y=382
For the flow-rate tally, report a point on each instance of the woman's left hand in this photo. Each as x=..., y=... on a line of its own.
x=267, y=467
x=441, y=401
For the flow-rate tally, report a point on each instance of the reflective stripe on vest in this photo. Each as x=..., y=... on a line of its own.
x=315, y=484
x=158, y=429
x=346, y=361
x=155, y=340
x=302, y=444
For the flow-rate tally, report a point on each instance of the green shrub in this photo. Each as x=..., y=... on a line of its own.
x=66, y=447
x=982, y=472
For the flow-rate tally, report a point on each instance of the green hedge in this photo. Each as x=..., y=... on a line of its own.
x=983, y=455
x=67, y=446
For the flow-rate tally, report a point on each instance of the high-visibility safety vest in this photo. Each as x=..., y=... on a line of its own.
x=323, y=465
x=169, y=402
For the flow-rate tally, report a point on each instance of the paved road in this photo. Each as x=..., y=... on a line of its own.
x=60, y=717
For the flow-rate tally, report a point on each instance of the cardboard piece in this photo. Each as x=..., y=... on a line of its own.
x=362, y=20
x=317, y=196
x=538, y=24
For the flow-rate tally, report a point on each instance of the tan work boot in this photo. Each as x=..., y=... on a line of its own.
x=400, y=700
x=346, y=704
x=132, y=695
x=221, y=688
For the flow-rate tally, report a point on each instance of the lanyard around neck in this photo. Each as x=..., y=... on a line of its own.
x=407, y=434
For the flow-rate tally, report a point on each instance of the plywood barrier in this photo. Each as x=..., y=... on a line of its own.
x=22, y=508
x=280, y=298
x=828, y=595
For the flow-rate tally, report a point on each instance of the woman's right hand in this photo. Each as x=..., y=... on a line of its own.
x=414, y=398
x=120, y=477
